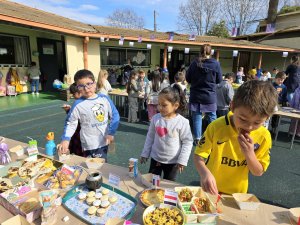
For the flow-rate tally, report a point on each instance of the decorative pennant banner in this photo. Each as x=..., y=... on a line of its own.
x=170, y=197
x=114, y=179
x=171, y=36
x=155, y=180
x=149, y=46
x=235, y=31
x=192, y=37
x=285, y=54
x=140, y=39
x=235, y=53
x=152, y=37
x=212, y=52
x=122, y=38
x=107, y=39
x=186, y=50
x=102, y=39
x=170, y=48
x=131, y=44
x=121, y=42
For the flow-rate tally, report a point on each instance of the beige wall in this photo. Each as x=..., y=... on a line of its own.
x=293, y=42
x=94, y=57
x=226, y=61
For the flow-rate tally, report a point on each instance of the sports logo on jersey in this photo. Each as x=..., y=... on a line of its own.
x=256, y=146
x=98, y=110
x=201, y=141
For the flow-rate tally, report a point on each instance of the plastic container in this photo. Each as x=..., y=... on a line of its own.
x=246, y=201
x=94, y=163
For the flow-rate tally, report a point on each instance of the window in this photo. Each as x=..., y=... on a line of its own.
x=14, y=50
x=119, y=56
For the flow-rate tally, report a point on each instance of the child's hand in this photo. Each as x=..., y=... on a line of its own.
x=143, y=160
x=180, y=167
x=209, y=184
x=66, y=107
x=246, y=142
x=109, y=139
x=63, y=147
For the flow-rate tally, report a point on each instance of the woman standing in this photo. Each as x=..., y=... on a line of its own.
x=293, y=79
x=203, y=75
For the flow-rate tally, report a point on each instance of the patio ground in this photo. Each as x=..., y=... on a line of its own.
x=34, y=116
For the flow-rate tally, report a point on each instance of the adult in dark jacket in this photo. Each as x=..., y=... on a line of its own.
x=293, y=79
x=203, y=75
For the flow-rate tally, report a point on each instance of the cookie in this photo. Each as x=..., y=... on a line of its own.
x=100, y=212
x=112, y=199
x=90, y=200
x=105, y=204
x=82, y=196
x=97, y=203
x=92, y=210
x=104, y=198
x=98, y=195
x=105, y=191
x=90, y=194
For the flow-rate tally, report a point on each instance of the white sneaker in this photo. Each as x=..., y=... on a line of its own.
x=37, y=93
x=32, y=93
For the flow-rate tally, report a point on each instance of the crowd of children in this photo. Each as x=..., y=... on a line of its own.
x=237, y=137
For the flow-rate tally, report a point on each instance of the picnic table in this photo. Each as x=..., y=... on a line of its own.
x=266, y=214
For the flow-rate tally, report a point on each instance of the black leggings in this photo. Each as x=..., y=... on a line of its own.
x=170, y=170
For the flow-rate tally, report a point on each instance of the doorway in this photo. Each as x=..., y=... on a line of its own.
x=52, y=60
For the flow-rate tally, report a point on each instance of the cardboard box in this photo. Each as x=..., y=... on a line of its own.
x=16, y=220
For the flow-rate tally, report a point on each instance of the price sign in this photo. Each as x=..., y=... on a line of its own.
x=114, y=179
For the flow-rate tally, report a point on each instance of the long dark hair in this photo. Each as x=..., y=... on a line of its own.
x=131, y=76
x=295, y=60
x=205, y=52
x=175, y=94
x=155, y=80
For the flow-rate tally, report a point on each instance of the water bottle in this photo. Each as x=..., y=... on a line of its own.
x=50, y=148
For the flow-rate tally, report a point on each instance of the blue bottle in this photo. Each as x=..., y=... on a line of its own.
x=50, y=148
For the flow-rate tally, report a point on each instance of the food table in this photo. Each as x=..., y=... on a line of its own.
x=266, y=214
x=289, y=113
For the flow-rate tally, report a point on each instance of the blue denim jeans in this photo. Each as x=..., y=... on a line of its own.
x=197, y=122
x=35, y=83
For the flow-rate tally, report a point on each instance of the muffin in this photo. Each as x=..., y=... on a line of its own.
x=82, y=196
x=97, y=203
x=104, y=198
x=90, y=194
x=105, y=191
x=90, y=200
x=105, y=204
x=98, y=195
x=112, y=199
x=92, y=210
x=100, y=212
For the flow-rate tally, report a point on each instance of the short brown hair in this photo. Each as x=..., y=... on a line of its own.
x=280, y=75
x=258, y=96
x=141, y=71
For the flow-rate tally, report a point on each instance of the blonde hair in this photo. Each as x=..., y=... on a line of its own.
x=101, y=75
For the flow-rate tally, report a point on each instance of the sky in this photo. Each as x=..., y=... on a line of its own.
x=95, y=12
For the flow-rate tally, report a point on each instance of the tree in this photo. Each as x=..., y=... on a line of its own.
x=125, y=18
x=197, y=16
x=272, y=11
x=219, y=30
x=241, y=13
x=287, y=9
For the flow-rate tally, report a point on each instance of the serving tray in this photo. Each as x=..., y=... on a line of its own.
x=123, y=208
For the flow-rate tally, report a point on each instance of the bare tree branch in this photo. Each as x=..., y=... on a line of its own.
x=125, y=18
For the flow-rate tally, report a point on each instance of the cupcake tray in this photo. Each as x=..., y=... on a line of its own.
x=123, y=208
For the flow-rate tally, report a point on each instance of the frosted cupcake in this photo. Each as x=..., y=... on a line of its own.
x=113, y=199
x=90, y=194
x=104, y=198
x=105, y=204
x=90, y=200
x=105, y=191
x=98, y=195
x=97, y=203
x=82, y=196
x=92, y=210
x=100, y=212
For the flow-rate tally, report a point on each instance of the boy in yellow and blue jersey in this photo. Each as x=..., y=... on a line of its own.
x=237, y=143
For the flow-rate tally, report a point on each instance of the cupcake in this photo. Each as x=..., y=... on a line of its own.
x=92, y=210
x=105, y=204
x=98, y=195
x=100, y=212
x=82, y=196
x=97, y=203
x=90, y=194
x=112, y=199
x=105, y=191
x=104, y=198
x=90, y=200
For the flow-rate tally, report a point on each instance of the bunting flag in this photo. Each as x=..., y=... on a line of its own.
x=131, y=43
x=149, y=46
x=152, y=37
x=121, y=41
x=186, y=50
x=170, y=48
x=192, y=37
x=122, y=38
x=170, y=197
x=235, y=31
x=140, y=39
x=171, y=36
x=102, y=39
x=270, y=28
